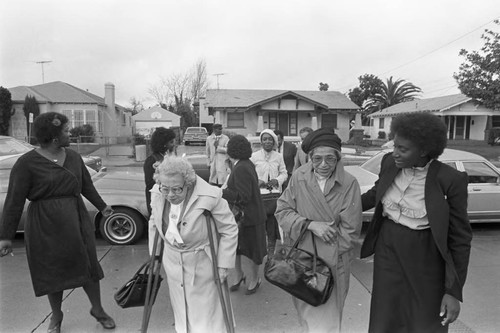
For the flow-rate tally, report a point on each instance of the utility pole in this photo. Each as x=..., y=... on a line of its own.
x=218, y=74
x=42, y=63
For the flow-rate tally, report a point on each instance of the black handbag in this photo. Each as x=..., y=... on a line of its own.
x=301, y=273
x=133, y=293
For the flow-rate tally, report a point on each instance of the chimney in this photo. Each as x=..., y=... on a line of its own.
x=110, y=120
x=109, y=96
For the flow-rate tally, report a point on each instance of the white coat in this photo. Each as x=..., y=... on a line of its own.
x=193, y=292
x=217, y=159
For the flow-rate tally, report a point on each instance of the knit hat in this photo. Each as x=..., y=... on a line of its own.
x=323, y=137
x=239, y=148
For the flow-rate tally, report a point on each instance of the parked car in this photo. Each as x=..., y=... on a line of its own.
x=483, y=188
x=10, y=146
x=124, y=191
x=195, y=135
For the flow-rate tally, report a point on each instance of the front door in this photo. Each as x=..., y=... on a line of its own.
x=283, y=122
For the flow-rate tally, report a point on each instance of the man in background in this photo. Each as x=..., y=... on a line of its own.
x=301, y=158
x=216, y=152
x=288, y=150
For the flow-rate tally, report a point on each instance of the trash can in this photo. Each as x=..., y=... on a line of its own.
x=140, y=153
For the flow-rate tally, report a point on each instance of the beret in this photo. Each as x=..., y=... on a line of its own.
x=239, y=148
x=323, y=137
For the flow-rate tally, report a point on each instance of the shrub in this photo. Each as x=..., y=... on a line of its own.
x=494, y=136
x=138, y=139
x=84, y=134
x=381, y=135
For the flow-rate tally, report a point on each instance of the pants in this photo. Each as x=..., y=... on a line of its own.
x=408, y=281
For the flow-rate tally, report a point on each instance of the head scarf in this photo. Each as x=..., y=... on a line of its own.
x=271, y=133
x=323, y=137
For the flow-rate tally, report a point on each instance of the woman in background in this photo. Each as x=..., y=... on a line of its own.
x=242, y=190
x=162, y=144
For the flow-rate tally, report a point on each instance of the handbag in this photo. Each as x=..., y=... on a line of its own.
x=301, y=273
x=133, y=293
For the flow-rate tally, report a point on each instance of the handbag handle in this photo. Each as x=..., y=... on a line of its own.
x=296, y=245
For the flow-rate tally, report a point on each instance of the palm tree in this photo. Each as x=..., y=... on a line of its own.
x=392, y=93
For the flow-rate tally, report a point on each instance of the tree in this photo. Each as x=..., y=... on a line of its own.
x=369, y=85
x=323, y=86
x=392, y=93
x=30, y=106
x=136, y=104
x=479, y=75
x=6, y=110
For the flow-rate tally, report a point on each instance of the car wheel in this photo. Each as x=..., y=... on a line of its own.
x=125, y=226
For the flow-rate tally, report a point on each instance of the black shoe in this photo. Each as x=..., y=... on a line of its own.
x=54, y=327
x=106, y=321
x=236, y=286
x=254, y=289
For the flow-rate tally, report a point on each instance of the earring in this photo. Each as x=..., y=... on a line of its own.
x=56, y=140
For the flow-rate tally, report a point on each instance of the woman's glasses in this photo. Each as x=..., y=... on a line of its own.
x=175, y=190
x=329, y=159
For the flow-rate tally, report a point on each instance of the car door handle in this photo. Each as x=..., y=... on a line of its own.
x=476, y=189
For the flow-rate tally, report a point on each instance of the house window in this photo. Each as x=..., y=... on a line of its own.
x=381, y=122
x=495, y=121
x=235, y=119
x=78, y=118
x=372, y=122
x=329, y=120
x=272, y=120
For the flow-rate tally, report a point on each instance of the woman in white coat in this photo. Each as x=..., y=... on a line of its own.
x=178, y=201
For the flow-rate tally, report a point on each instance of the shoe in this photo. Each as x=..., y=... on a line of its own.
x=54, y=327
x=106, y=321
x=254, y=289
x=236, y=286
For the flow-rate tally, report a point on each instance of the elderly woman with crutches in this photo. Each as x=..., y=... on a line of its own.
x=189, y=214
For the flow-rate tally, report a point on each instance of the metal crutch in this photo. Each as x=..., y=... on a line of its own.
x=148, y=305
x=225, y=301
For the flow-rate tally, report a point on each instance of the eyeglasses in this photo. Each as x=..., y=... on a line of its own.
x=329, y=159
x=175, y=190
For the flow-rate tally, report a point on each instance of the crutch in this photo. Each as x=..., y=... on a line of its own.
x=222, y=288
x=148, y=305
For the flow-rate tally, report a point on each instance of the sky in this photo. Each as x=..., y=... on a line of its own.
x=254, y=44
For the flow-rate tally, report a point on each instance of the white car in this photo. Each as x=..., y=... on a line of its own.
x=483, y=188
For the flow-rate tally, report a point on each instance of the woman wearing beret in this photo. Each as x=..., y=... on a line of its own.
x=272, y=173
x=243, y=190
x=326, y=200
x=420, y=232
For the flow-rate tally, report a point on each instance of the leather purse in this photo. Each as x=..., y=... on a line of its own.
x=301, y=273
x=133, y=293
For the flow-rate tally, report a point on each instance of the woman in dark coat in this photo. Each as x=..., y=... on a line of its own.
x=243, y=191
x=162, y=143
x=420, y=232
x=59, y=236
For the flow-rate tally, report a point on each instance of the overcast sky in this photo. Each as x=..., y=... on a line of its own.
x=258, y=44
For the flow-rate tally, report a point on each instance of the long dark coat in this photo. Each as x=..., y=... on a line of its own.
x=243, y=188
x=59, y=236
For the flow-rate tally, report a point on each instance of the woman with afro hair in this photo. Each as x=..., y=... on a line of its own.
x=420, y=232
x=162, y=143
x=242, y=190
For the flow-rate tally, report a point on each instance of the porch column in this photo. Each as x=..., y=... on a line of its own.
x=357, y=121
x=217, y=117
x=260, y=123
x=314, y=121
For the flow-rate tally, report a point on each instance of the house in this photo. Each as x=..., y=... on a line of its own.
x=465, y=117
x=112, y=123
x=248, y=112
x=146, y=121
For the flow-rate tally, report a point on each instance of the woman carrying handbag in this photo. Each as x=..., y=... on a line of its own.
x=325, y=200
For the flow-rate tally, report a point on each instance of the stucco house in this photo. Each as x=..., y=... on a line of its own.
x=466, y=118
x=146, y=121
x=112, y=123
x=248, y=112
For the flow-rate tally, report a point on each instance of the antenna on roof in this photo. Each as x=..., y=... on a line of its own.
x=218, y=74
x=42, y=63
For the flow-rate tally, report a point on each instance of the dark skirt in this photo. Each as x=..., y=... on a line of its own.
x=272, y=227
x=408, y=281
x=252, y=242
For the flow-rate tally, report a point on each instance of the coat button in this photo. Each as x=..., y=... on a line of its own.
x=184, y=224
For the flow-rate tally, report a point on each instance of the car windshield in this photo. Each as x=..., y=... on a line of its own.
x=196, y=130
x=373, y=164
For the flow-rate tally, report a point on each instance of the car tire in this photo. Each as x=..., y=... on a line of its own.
x=124, y=227
x=186, y=143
